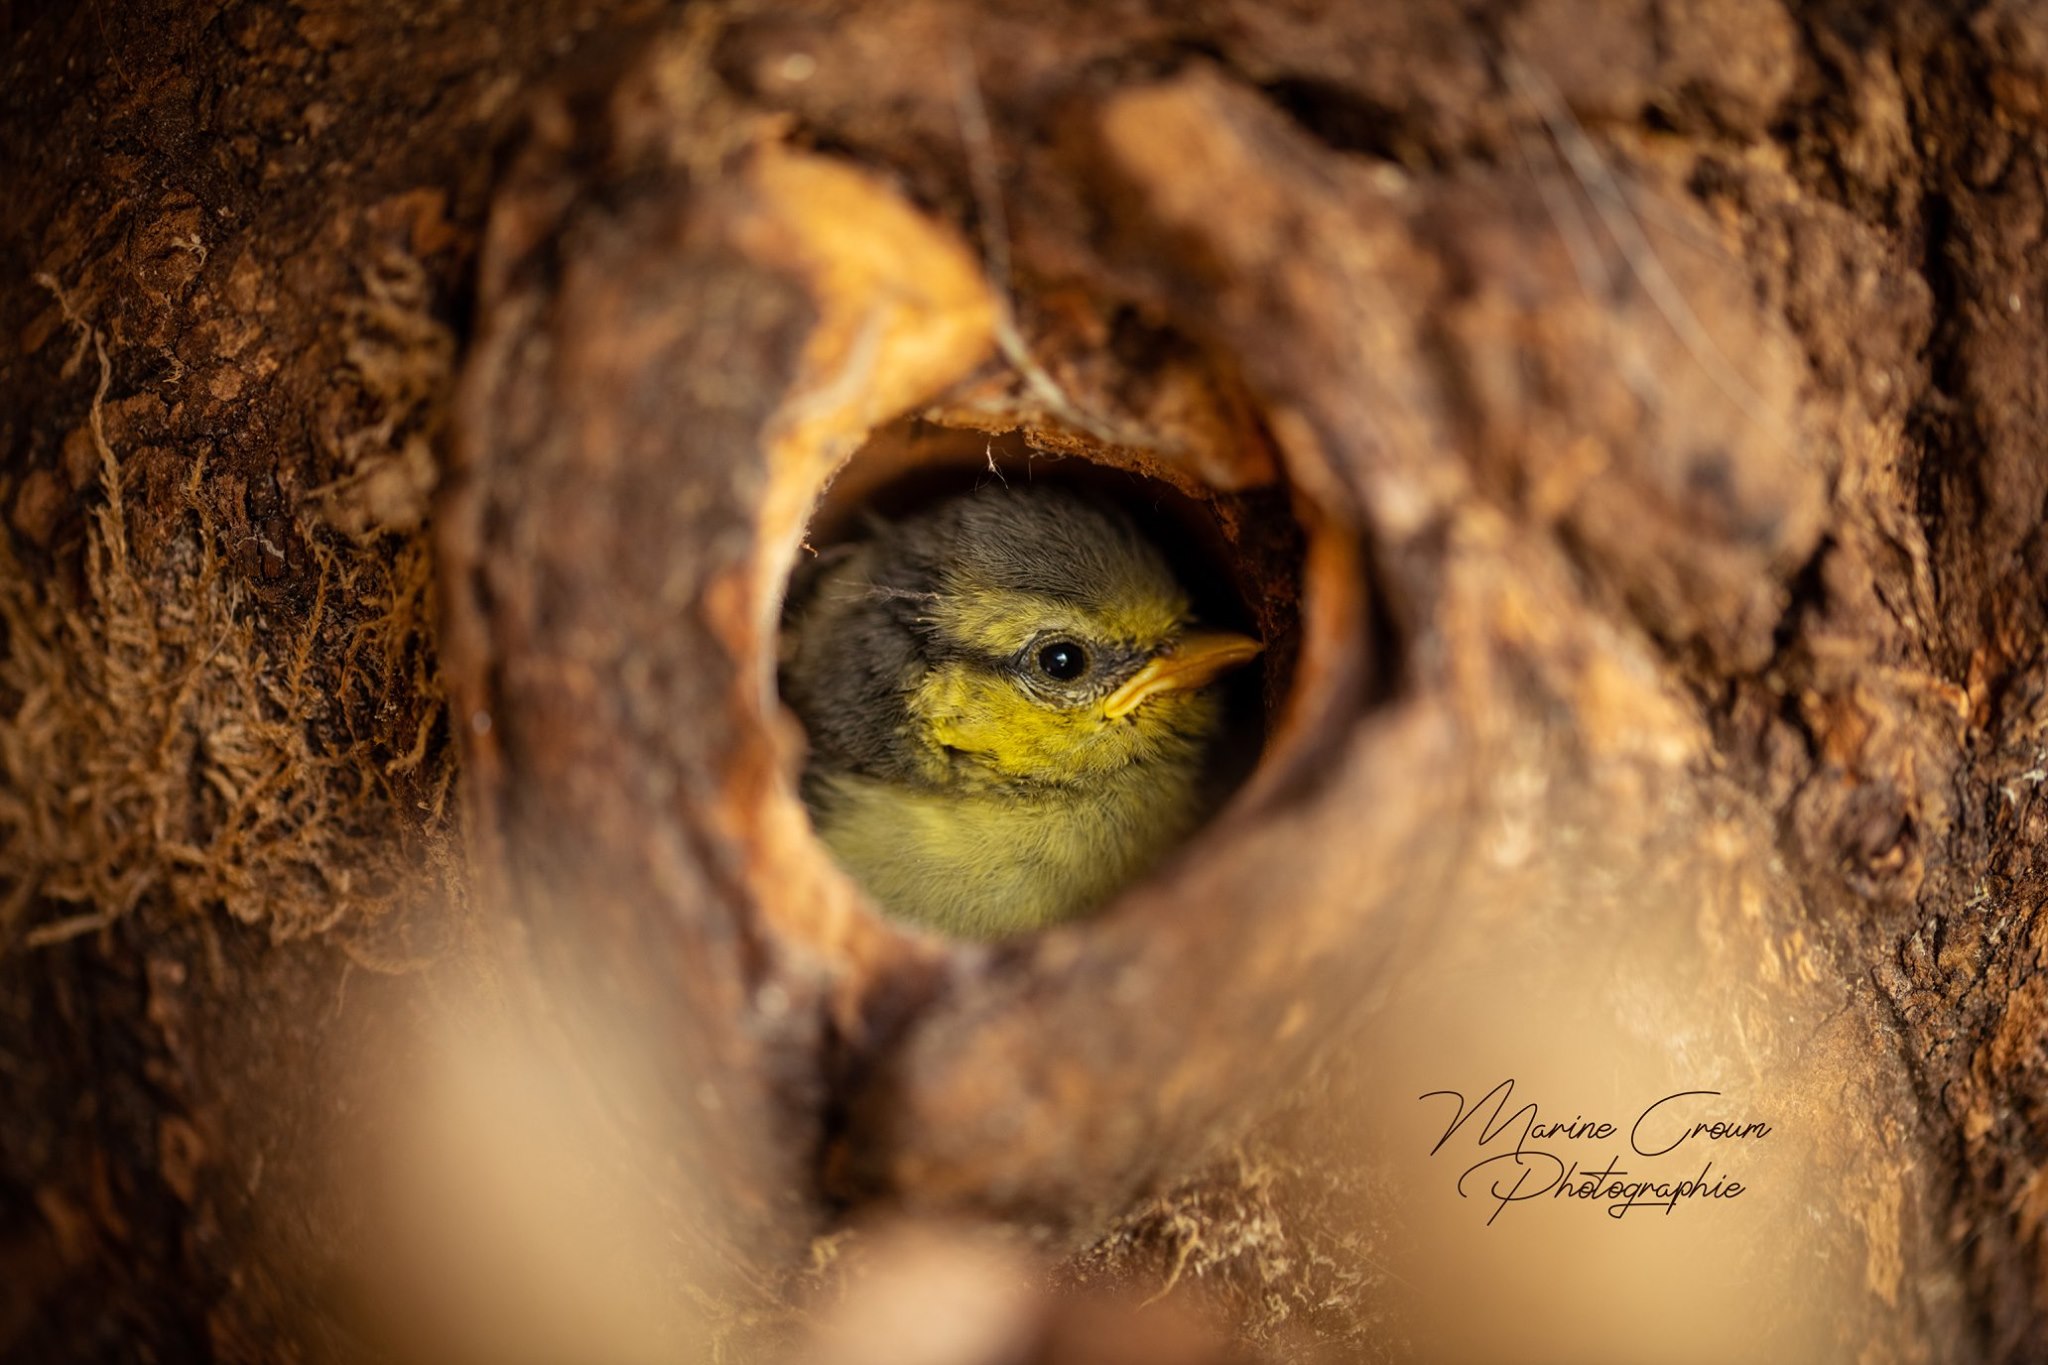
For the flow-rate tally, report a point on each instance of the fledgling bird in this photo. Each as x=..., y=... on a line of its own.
x=1008, y=705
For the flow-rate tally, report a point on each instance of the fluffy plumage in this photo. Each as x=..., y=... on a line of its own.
x=1008, y=711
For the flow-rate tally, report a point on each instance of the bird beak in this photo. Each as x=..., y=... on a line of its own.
x=1194, y=661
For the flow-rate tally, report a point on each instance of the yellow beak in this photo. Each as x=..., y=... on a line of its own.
x=1194, y=661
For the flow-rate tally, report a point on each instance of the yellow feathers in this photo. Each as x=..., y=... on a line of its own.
x=1010, y=712
x=1016, y=736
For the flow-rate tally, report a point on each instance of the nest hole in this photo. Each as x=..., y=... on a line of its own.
x=1239, y=554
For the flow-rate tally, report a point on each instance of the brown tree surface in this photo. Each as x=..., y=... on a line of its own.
x=1621, y=420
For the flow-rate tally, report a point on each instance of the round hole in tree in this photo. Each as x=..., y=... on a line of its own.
x=1027, y=677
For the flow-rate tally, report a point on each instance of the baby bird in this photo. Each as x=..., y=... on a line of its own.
x=1008, y=707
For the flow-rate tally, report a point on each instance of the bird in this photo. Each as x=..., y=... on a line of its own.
x=1009, y=703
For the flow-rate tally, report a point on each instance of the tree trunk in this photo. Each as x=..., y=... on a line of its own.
x=1619, y=420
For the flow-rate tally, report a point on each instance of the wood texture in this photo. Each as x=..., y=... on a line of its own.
x=1626, y=413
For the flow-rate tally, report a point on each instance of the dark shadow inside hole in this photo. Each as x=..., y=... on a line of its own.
x=1237, y=554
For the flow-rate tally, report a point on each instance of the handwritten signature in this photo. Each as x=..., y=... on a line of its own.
x=1539, y=1166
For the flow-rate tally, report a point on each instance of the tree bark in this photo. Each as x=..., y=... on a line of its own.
x=1619, y=421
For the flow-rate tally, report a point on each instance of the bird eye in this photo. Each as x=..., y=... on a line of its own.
x=1062, y=661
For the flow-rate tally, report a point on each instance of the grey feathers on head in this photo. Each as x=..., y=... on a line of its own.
x=858, y=628
x=1051, y=542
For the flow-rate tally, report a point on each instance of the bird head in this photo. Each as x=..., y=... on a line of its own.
x=1057, y=645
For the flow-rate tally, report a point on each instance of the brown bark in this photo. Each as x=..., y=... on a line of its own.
x=1620, y=419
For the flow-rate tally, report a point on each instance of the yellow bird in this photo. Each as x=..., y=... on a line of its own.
x=1008, y=705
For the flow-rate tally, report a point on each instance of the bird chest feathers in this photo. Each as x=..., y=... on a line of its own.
x=989, y=862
